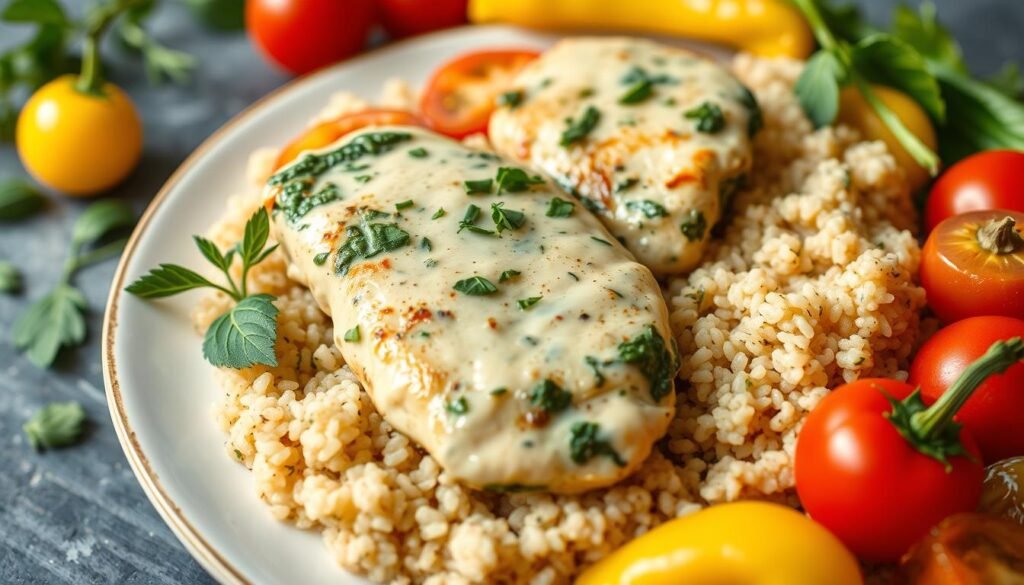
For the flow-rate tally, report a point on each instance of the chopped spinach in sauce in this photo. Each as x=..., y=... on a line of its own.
x=648, y=208
x=475, y=286
x=693, y=225
x=578, y=129
x=526, y=303
x=508, y=275
x=585, y=443
x=368, y=240
x=560, y=208
x=709, y=117
x=656, y=360
x=514, y=180
x=506, y=219
x=550, y=397
x=457, y=407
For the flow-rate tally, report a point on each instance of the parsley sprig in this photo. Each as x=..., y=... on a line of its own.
x=245, y=335
x=57, y=320
x=57, y=424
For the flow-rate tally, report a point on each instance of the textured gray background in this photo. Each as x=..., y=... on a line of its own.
x=78, y=515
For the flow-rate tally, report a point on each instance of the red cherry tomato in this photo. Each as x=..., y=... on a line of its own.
x=459, y=98
x=325, y=133
x=860, y=478
x=303, y=35
x=403, y=18
x=973, y=264
x=991, y=179
x=994, y=414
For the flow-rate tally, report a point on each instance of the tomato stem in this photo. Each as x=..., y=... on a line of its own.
x=930, y=423
x=91, y=80
x=1000, y=236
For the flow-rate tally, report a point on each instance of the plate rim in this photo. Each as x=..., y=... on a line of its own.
x=205, y=553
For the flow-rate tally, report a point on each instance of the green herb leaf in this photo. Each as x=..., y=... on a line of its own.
x=585, y=443
x=321, y=258
x=755, y=120
x=655, y=360
x=36, y=11
x=57, y=424
x=478, y=186
x=638, y=92
x=923, y=32
x=886, y=60
x=511, y=99
x=506, y=219
x=418, y=152
x=254, y=238
x=211, y=252
x=438, y=214
x=403, y=205
x=550, y=397
x=10, y=278
x=1008, y=81
x=508, y=275
x=368, y=240
x=99, y=220
x=50, y=323
x=648, y=208
x=515, y=180
x=352, y=335
x=817, y=88
x=475, y=286
x=980, y=117
x=626, y=184
x=457, y=407
x=577, y=130
x=225, y=15
x=527, y=303
x=167, y=280
x=18, y=199
x=468, y=221
x=709, y=117
x=161, y=62
x=244, y=336
x=560, y=208
x=426, y=244
x=693, y=225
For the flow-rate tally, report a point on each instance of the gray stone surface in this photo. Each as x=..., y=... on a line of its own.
x=77, y=515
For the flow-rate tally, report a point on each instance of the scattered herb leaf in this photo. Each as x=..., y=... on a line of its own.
x=352, y=335
x=527, y=303
x=550, y=397
x=560, y=208
x=475, y=286
x=585, y=444
x=57, y=424
x=577, y=130
x=709, y=117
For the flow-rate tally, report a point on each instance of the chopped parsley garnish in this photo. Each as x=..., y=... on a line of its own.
x=512, y=99
x=426, y=245
x=506, y=219
x=560, y=208
x=368, y=240
x=658, y=363
x=363, y=178
x=320, y=258
x=458, y=407
x=756, y=120
x=578, y=129
x=478, y=186
x=438, y=214
x=401, y=205
x=599, y=240
x=636, y=74
x=295, y=199
x=649, y=208
x=595, y=365
x=508, y=275
x=352, y=335
x=418, y=152
x=626, y=184
x=514, y=180
x=468, y=221
x=499, y=391
x=709, y=117
x=475, y=286
x=693, y=225
x=550, y=397
x=638, y=92
x=526, y=303
x=372, y=214
x=585, y=444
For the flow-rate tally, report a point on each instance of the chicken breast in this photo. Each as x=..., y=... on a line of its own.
x=489, y=316
x=653, y=139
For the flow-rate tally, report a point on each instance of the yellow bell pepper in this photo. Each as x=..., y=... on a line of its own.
x=745, y=543
x=769, y=28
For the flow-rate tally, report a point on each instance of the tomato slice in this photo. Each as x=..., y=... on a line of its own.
x=325, y=133
x=459, y=98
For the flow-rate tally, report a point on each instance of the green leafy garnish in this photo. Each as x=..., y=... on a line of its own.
x=403, y=205
x=578, y=129
x=638, y=92
x=438, y=214
x=550, y=397
x=458, y=407
x=709, y=117
x=506, y=219
x=585, y=443
x=528, y=302
x=514, y=180
x=560, y=208
x=626, y=184
x=475, y=286
x=366, y=240
x=658, y=363
x=418, y=152
x=18, y=199
x=57, y=424
x=755, y=121
x=425, y=244
x=468, y=221
x=320, y=258
x=246, y=334
x=648, y=208
x=352, y=335
x=511, y=99
x=10, y=278
x=693, y=225
x=508, y=275
x=817, y=88
x=56, y=320
x=595, y=365
x=478, y=186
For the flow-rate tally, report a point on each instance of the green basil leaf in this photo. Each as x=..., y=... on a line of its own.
x=578, y=129
x=508, y=275
x=167, y=280
x=923, y=32
x=981, y=118
x=515, y=180
x=558, y=207
x=506, y=219
x=709, y=117
x=585, y=443
x=654, y=358
x=244, y=336
x=50, y=323
x=888, y=61
x=57, y=424
x=527, y=303
x=18, y=199
x=10, y=278
x=475, y=286
x=211, y=252
x=817, y=89
x=99, y=220
x=37, y=11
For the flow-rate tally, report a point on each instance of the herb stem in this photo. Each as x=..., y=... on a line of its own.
x=90, y=80
x=101, y=253
x=818, y=26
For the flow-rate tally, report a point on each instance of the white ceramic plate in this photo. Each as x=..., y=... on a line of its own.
x=160, y=390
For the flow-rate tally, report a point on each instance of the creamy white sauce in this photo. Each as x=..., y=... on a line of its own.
x=433, y=359
x=647, y=151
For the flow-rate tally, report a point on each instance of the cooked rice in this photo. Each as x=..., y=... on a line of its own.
x=810, y=285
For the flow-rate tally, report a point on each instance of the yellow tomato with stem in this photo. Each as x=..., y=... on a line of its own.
x=743, y=543
x=855, y=111
x=77, y=142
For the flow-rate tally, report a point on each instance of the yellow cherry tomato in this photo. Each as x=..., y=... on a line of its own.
x=745, y=543
x=79, y=143
x=854, y=111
